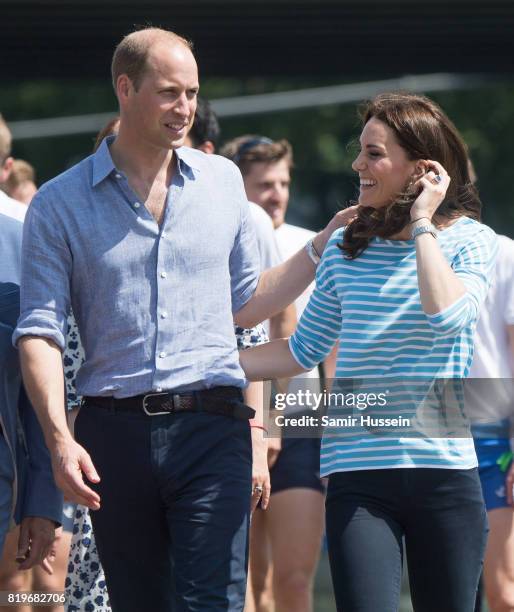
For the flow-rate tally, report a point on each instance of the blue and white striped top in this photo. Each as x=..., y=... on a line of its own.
x=372, y=305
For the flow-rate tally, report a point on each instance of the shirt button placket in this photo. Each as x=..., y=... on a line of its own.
x=163, y=314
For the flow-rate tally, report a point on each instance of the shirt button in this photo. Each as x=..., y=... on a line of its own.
x=137, y=204
x=118, y=176
x=163, y=275
x=164, y=314
x=162, y=354
x=164, y=235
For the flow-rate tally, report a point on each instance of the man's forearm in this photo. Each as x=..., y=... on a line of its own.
x=41, y=365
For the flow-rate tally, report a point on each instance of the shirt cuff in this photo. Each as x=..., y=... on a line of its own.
x=245, y=295
x=452, y=318
x=37, y=326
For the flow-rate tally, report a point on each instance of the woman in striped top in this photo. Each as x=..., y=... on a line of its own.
x=400, y=288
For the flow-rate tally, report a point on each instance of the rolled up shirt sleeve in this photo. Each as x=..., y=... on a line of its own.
x=474, y=265
x=320, y=324
x=45, y=273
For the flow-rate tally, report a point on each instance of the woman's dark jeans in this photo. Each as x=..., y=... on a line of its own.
x=441, y=514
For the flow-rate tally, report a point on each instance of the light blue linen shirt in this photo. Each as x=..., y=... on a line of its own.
x=153, y=303
x=10, y=249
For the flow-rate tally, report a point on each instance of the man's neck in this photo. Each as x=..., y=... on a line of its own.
x=141, y=162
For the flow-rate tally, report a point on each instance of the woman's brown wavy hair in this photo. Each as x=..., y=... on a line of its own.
x=424, y=132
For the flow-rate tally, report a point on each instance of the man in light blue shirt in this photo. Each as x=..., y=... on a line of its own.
x=151, y=245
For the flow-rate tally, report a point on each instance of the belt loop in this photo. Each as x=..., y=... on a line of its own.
x=175, y=401
x=197, y=404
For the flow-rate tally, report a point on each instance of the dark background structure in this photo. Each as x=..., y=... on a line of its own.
x=241, y=38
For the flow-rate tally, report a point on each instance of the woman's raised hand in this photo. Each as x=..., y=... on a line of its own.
x=433, y=186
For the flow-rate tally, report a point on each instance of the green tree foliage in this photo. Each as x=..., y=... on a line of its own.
x=324, y=139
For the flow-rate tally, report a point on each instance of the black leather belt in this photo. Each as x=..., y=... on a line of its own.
x=227, y=401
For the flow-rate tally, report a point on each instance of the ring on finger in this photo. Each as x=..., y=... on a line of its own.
x=437, y=179
x=258, y=489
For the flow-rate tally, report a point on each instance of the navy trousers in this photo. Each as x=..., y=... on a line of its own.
x=172, y=530
x=441, y=515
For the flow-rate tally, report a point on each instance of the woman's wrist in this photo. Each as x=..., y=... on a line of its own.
x=319, y=242
x=420, y=217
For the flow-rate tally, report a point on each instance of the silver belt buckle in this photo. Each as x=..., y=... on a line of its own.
x=175, y=399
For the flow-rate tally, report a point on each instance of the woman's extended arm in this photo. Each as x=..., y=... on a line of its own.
x=271, y=360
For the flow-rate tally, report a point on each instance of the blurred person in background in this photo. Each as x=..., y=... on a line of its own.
x=285, y=540
x=8, y=206
x=490, y=407
x=205, y=132
x=21, y=182
x=27, y=490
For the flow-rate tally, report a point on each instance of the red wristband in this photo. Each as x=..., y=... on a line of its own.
x=257, y=425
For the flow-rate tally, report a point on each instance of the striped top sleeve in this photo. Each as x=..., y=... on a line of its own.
x=320, y=324
x=474, y=265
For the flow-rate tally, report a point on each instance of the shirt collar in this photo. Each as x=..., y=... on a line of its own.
x=102, y=161
x=187, y=161
x=103, y=164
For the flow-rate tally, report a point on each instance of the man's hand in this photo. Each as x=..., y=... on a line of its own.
x=340, y=219
x=69, y=460
x=36, y=545
x=274, y=448
x=261, y=487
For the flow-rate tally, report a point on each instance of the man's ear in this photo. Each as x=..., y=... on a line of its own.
x=6, y=169
x=123, y=87
x=207, y=147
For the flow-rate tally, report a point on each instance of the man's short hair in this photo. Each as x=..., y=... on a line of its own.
x=131, y=54
x=21, y=172
x=5, y=141
x=205, y=126
x=250, y=149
